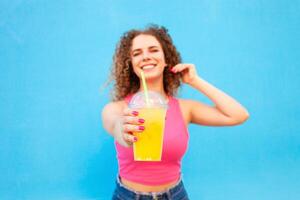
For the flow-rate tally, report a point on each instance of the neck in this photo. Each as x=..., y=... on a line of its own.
x=156, y=86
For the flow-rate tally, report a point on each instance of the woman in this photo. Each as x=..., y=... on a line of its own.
x=152, y=51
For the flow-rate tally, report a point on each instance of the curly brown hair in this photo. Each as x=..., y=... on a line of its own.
x=126, y=81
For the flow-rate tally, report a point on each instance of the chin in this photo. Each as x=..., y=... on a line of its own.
x=152, y=77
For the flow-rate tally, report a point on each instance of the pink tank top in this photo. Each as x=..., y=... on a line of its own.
x=174, y=146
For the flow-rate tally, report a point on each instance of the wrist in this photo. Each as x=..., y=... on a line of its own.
x=195, y=82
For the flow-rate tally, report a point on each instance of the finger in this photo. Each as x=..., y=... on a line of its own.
x=174, y=68
x=127, y=128
x=129, y=138
x=130, y=112
x=133, y=120
x=180, y=67
x=192, y=70
x=183, y=67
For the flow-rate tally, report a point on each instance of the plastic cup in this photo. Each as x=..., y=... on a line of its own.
x=150, y=142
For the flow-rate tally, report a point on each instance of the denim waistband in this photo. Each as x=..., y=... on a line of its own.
x=137, y=194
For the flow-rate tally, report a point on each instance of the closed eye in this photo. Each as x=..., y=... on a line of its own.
x=153, y=49
x=136, y=53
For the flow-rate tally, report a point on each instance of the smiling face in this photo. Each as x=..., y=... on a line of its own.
x=147, y=54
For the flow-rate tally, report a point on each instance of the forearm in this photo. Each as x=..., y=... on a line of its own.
x=223, y=102
x=112, y=122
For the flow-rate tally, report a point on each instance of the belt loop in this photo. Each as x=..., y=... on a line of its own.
x=154, y=195
x=169, y=195
x=137, y=197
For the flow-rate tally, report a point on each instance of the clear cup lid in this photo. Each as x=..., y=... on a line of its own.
x=155, y=100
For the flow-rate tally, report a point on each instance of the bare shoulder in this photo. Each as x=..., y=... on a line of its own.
x=184, y=103
x=190, y=107
x=187, y=104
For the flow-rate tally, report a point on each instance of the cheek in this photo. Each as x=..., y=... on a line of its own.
x=134, y=66
x=134, y=61
x=161, y=57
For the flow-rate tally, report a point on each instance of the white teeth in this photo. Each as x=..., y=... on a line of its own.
x=148, y=67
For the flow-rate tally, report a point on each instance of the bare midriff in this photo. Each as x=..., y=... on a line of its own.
x=147, y=188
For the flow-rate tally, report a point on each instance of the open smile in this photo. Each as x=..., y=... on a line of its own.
x=148, y=67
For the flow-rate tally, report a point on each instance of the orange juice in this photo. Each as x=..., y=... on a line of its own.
x=149, y=144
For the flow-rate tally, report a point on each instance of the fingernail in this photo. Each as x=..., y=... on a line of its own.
x=141, y=128
x=141, y=120
x=135, y=113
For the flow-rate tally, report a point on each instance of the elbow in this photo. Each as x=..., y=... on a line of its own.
x=242, y=118
x=245, y=117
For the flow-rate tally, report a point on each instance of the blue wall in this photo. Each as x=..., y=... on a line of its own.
x=56, y=55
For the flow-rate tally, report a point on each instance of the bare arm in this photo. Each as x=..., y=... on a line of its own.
x=120, y=122
x=227, y=111
x=111, y=113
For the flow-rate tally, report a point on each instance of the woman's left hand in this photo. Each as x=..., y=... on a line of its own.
x=188, y=72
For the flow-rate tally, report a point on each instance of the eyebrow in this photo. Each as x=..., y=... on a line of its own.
x=138, y=49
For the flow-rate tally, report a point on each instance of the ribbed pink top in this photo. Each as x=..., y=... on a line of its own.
x=174, y=146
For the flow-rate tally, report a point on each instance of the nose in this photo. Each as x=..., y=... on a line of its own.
x=146, y=55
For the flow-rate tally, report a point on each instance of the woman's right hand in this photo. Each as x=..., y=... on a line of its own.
x=128, y=123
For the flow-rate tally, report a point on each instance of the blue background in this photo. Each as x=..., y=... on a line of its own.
x=55, y=57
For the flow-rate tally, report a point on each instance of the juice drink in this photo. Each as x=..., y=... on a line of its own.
x=149, y=144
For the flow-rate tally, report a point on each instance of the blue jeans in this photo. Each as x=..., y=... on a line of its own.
x=177, y=192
